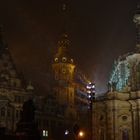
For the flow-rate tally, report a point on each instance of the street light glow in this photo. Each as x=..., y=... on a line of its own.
x=89, y=96
x=88, y=87
x=81, y=134
x=66, y=132
x=93, y=86
x=88, y=91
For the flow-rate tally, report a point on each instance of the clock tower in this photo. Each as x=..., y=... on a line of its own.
x=63, y=73
x=63, y=79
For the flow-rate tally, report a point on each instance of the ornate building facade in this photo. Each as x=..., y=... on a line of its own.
x=13, y=90
x=57, y=111
x=117, y=113
x=66, y=103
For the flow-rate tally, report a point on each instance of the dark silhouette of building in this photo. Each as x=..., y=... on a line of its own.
x=27, y=128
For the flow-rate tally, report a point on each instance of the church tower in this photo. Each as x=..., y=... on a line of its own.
x=63, y=68
x=63, y=72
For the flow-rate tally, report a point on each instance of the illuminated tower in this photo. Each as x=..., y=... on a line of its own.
x=63, y=72
x=63, y=78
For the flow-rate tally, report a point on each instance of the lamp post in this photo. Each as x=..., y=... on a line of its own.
x=78, y=132
x=91, y=96
x=81, y=134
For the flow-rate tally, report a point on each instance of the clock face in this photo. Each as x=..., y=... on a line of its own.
x=56, y=59
x=64, y=59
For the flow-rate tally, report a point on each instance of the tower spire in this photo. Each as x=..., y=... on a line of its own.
x=64, y=36
x=64, y=14
x=63, y=42
x=62, y=54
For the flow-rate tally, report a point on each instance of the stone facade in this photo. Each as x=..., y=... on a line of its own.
x=116, y=115
x=58, y=110
x=13, y=90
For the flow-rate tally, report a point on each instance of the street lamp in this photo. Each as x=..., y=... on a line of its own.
x=78, y=132
x=66, y=132
x=81, y=134
x=91, y=97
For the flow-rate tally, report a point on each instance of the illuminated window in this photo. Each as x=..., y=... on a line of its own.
x=64, y=59
x=45, y=133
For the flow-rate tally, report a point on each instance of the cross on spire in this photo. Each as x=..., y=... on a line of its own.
x=64, y=14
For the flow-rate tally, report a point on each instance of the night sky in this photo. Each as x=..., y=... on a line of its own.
x=99, y=31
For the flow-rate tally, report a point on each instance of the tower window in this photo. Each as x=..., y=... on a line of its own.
x=56, y=77
x=63, y=70
x=45, y=133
